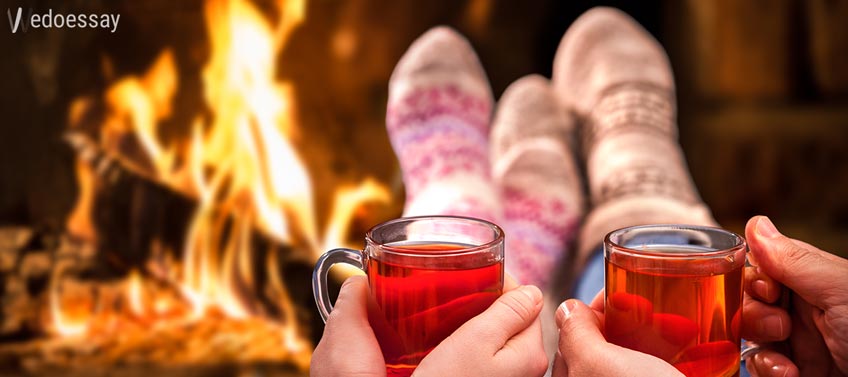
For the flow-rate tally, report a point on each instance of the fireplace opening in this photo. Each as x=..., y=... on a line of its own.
x=196, y=220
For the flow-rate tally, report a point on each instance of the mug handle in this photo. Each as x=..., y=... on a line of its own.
x=355, y=258
x=749, y=348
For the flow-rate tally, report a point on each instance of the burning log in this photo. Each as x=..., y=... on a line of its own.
x=129, y=212
x=140, y=223
x=135, y=219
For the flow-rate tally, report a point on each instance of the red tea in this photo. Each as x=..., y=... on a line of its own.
x=418, y=307
x=690, y=319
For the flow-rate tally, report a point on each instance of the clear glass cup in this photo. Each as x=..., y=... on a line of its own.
x=675, y=292
x=427, y=276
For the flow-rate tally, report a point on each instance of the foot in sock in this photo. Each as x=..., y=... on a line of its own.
x=618, y=80
x=438, y=119
x=534, y=166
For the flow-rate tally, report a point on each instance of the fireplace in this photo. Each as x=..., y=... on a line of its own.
x=201, y=203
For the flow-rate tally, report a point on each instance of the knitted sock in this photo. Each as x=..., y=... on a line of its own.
x=535, y=168
x=618, y=80
x=438, y=119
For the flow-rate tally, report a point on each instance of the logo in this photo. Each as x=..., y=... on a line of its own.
x=50, y=20
x=14, y=25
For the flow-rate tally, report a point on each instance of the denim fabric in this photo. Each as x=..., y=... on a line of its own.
x=591, y=281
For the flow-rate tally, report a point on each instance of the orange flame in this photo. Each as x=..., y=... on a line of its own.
x=70, y=315
x=79, y=221
x=240, y=165
x=256, y=174
x=135, y=293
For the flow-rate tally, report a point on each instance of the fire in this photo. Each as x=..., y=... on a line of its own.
x=240, y=165
x=135, y=292
x=70, y=313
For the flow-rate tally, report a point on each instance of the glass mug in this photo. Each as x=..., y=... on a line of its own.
x=427, y=276
x=675, y=292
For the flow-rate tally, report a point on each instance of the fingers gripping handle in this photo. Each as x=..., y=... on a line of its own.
x=749, y=349
x=322, y=268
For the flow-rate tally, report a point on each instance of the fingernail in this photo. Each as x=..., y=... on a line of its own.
x=773, y=368
x=564, y=311
x=568, y=307
x=560, y=315
x=532, y=292
x=761, y=288
x=771, y=326
x=766, y=228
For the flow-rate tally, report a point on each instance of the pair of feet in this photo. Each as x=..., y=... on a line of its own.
x=610, y=105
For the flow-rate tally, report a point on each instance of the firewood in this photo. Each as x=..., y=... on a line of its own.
x=15, y=238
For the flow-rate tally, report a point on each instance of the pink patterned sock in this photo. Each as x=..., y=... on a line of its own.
x=438, y=119
x=534, y=165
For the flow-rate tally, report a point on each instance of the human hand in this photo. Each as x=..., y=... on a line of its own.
x=348, y=346
x=809, y=336
x=504, y=340
x=583, y=350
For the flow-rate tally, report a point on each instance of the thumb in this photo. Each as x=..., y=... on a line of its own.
x=585, y=351
x=350, y=308
x=510, y=314
x=578, y=326
x=348, y=332
x=349, y=318
x=805, y=269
